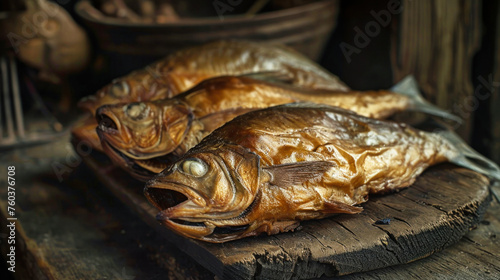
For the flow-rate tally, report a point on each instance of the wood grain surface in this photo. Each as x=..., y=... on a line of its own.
x=437, y=46
x=432, y=214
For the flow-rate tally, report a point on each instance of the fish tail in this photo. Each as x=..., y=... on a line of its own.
x=468, y=157
x=409, y=87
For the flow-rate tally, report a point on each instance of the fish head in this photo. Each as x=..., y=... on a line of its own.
x=143, y=130
x=210, y=194
x=140, y=85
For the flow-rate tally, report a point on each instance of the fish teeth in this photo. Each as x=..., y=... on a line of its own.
x=107, y=129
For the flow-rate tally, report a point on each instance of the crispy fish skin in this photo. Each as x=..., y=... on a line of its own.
x=267, y=170
x=185, y=68
x=172, y=126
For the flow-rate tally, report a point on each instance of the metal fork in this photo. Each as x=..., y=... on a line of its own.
x=8, y=94
x=12, y=123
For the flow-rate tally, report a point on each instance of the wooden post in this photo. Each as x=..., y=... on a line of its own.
x=495, y=100
x=436, y=41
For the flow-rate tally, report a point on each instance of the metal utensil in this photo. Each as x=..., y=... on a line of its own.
x=12, y=123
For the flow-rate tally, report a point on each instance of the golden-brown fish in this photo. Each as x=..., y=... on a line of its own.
x=184, y=69
x=144, y=137
x=267, y=170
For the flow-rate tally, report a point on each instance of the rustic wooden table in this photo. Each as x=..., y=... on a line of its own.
x=71, y=227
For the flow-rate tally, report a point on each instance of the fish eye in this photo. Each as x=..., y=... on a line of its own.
x=119, y=89
x=194, y=166
x=136, y=111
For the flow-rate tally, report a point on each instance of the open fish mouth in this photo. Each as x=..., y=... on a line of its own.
x=165, y=198
x=213, y=230
x=217, y=232
x=202, y=230
x=107, y=124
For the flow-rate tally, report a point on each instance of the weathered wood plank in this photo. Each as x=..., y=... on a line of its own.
x=474, y=257
x=434, y=213
x=74, y=229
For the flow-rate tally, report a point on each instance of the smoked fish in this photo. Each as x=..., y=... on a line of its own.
x=144, y=137
x=267, y=170
x=185, y=68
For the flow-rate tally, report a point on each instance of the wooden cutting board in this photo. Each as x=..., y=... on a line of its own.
x=443, y=204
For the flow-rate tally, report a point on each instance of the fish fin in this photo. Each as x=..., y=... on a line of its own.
x=297, y=173
x=339, y=207
x=409, y=87
x=271, y=76
x=468, y=157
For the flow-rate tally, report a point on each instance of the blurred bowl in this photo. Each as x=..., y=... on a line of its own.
x=129, y=46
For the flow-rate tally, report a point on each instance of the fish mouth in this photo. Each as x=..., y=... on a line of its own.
x=207, y=232
x=108, y=126
x=120, y=136
x=211, y=230
x=204, y=231
x=106, y=123
x=165, y=199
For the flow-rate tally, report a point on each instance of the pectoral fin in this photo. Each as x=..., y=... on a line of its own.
x=297, y=173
